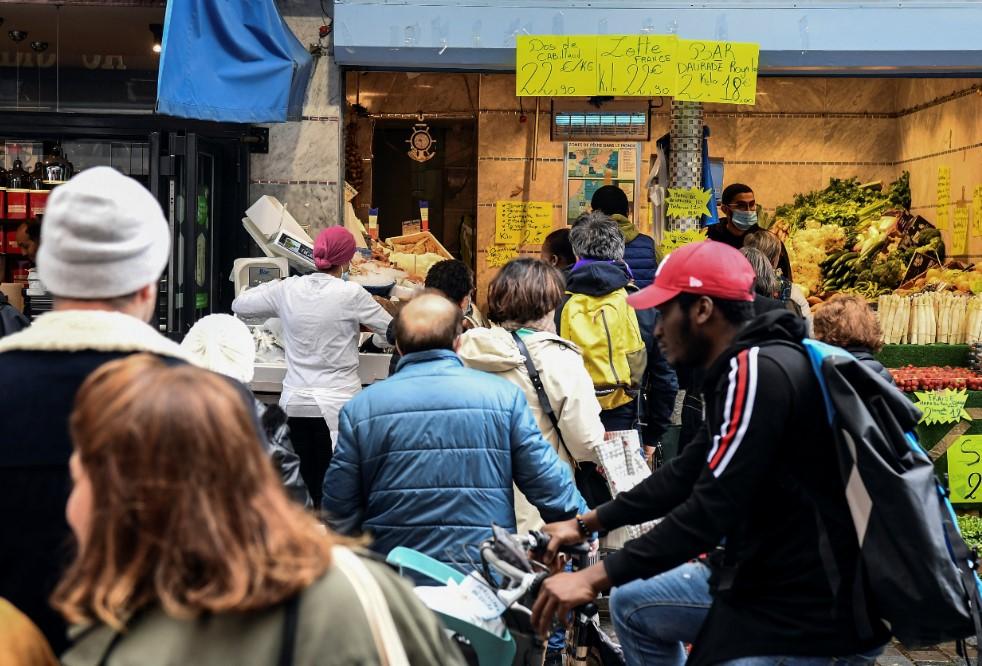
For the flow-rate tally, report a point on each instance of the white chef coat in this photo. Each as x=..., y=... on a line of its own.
x=321, y=315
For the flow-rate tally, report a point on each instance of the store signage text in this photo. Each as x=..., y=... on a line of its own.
x=636, y=66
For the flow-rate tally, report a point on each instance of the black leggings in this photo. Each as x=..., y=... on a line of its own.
x=312, y=441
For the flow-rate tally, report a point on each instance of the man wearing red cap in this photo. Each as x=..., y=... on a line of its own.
x=749, y=490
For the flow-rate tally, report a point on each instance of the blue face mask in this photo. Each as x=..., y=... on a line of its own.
x=743, y=219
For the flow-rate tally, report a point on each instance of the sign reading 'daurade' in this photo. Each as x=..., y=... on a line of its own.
x=636, y=66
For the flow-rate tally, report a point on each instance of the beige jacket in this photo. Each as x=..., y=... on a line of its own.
x=566, y=382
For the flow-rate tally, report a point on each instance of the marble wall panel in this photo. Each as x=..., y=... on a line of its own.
x=498, y=180
x=791, y=139
x=313, y=206
x=861, y=95
x=859, y=140
x=774, y=185
x=306, y=150
x=502, y=135
x=913, y=92
x=787, y=95
x=498, y=92
x=324, y=89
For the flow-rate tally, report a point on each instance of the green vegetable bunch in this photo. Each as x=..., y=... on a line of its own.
x=971, y=529
x=844, y=202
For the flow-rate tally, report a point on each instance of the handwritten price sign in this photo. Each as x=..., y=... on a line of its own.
x=965, y=470
x=977, y=211
x=723, y=72
x=947, y=406
x=692, y=202
x=499, y=256
x=636, y=65
x=521, y=222
x=959, y=231
x=555, y=66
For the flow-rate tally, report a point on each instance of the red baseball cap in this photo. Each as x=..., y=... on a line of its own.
x=708, y=268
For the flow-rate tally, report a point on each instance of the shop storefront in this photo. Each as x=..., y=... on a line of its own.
x=78, y=88
x=864, y=131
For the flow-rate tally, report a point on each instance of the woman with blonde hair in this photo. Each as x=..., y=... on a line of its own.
x=189, y=551
x=847, y=321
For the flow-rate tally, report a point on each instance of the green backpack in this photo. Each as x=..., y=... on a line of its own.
x=606, y=330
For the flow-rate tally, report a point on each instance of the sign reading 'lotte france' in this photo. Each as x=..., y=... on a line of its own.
x=636, y=66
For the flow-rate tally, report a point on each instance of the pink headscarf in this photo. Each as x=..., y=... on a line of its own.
x=334, y=246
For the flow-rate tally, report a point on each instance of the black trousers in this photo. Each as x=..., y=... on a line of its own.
x=312, y=441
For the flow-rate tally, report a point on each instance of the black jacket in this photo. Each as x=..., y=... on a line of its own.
x=754, y=478
x=660, y=385
x=11, y=319
x=866, y=357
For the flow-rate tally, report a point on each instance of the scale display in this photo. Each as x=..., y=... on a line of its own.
x=261, y=274
x=292, y=245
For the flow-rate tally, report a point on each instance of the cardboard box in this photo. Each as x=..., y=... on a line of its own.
x=37, y=203
x=17, y=204
x=424, y=237
x=14, y=291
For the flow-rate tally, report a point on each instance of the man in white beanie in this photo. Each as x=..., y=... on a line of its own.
x=104, y=244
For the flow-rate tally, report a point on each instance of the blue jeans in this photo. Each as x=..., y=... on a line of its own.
x=654, y=618
x=861, y=659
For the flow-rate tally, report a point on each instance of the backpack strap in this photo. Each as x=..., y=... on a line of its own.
x=540, y=391
x=291, y=611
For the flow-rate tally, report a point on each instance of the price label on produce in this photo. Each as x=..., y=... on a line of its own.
x=947, y=406
x=965, y=470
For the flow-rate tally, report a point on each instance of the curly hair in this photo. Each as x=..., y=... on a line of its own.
x=452, y=277
x=846, y=320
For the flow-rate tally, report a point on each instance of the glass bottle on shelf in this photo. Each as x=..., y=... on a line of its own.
x=56, y=166
x=37, y=176
x=17, y=178
x=3, y=176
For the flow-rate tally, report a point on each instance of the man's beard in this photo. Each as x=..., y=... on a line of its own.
x=697, y=348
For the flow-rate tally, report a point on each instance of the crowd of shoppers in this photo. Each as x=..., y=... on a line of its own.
x=166, y=515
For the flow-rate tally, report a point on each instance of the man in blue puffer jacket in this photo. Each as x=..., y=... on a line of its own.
x=639, y=248
x=427, y=458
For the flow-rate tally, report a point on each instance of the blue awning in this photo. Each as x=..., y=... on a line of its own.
x=231, y=61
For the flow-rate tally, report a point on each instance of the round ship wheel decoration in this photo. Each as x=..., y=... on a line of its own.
x=420, y=143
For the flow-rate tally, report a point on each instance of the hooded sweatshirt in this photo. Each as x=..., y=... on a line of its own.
x=639, y=252
x=565, y=381
x=755, y=478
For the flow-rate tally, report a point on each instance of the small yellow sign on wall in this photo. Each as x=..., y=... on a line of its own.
x=944, y=197
x=710, y=71
x=977, y=212
x=498, y=255
x=965, y=470
x=522, y=222
x=959, y=231
x=691, y=202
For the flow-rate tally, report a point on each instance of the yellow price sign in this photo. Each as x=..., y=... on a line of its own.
x=965, y=470
x=499, y=256
x=555, y=66
x=691, y=202
x=959, y=231
x=636, y=65
x=977, y=211
x=521, y=222
x=947, y=406
x=710, y=71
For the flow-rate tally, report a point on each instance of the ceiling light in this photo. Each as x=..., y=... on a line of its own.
x=39, y=46
x=157, y=30
x=17, y=35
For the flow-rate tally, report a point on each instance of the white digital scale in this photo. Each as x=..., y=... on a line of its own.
x=278, y=235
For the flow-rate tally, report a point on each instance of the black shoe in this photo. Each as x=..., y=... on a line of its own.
x=553, y=658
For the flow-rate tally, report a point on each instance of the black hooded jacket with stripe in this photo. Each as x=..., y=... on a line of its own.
x=749, y=490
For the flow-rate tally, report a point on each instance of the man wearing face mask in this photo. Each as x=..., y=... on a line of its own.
x=740, y=206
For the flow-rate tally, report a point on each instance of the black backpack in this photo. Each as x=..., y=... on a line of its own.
x=913, y=561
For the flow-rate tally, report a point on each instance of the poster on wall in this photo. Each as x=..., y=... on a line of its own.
x=592, y=164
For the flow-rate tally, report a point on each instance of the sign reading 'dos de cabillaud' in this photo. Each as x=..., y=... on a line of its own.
x=636, y=66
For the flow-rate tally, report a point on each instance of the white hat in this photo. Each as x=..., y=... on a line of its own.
x=104, y=235
x=223, y=344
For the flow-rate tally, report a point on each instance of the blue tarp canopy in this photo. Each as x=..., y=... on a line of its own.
x=231, y=61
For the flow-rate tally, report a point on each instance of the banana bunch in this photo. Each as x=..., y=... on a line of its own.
x=839, y=270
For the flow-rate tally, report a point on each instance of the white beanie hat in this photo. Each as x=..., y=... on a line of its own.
x=223, y=344
x=104, y=235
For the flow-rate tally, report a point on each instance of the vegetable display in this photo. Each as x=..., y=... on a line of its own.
x=934, y=378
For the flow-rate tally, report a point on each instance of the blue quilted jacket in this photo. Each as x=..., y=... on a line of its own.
x=639, y=252
x=426, y=459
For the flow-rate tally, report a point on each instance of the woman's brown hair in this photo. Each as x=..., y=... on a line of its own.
x=524, y=291
x=766, y=242
x=187, y=511
x=846, y=320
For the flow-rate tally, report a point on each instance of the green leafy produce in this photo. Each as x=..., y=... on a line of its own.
x=844, y=202
x=971, y=529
